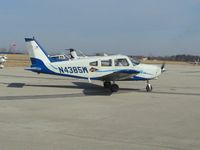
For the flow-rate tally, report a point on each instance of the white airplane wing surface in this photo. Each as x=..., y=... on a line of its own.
x=119, y=75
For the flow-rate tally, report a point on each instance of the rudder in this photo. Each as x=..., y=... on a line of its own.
x=36, y=52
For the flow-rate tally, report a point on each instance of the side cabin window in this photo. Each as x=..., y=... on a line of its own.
x=121, y=62
x=106, y=63
x=94, y=63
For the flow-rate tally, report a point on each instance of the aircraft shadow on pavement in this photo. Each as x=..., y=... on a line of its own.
x=30, y=77
x=88, y=88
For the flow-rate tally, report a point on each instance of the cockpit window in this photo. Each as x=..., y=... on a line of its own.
x=94, y=63
x=106, y=63
x=134, y=61
x=121, y=62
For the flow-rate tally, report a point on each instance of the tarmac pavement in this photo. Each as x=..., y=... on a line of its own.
x=51, y=112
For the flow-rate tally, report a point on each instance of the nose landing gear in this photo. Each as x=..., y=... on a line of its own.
x=149, y=87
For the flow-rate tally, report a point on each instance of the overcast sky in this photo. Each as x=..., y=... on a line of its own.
x=146, y=27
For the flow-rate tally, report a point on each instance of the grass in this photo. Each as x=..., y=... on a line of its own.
x=17, y=60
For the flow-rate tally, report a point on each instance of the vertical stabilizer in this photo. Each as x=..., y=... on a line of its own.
x=36, y=52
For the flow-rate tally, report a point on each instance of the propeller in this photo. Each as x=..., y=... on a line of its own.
x=70, y=49
x=163, y=67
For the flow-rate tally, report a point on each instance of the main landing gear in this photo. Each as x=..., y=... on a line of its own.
x=113, y=87
x=149, y=87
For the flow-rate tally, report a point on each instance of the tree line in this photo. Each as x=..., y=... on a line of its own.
x=185, y=58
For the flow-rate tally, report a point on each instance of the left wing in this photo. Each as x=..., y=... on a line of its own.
x=123, y=74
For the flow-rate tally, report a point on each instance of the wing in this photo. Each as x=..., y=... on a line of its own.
x=119, y=75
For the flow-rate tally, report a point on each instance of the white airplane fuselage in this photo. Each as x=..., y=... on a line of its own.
x=81, y=68
x=104, y=68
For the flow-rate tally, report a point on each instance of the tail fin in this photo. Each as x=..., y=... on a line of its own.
x=36, y=52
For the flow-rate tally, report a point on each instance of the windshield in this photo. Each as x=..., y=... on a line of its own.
x=134, y=61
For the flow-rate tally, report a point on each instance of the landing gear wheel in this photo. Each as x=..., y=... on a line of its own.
x=149, y=88
x=114, y=88
x=107, y=84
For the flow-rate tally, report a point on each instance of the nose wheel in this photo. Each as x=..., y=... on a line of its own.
x=149, y=87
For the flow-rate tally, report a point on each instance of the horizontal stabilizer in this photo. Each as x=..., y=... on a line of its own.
x=35, y=69
x=29, y=39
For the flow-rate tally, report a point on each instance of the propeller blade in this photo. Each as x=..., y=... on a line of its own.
x=163, y=67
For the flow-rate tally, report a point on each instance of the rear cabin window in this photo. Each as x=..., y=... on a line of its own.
x=106, y=63
x=121, y=62
x=94, y=63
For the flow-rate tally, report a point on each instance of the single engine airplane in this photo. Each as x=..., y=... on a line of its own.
x=108, y=69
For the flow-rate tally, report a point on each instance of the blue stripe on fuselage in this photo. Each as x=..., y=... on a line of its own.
x=138, y=78
x=129, y=71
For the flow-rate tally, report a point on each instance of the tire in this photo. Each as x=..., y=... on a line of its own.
x=149, y=88
x=114, y=88
x=107, y=84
